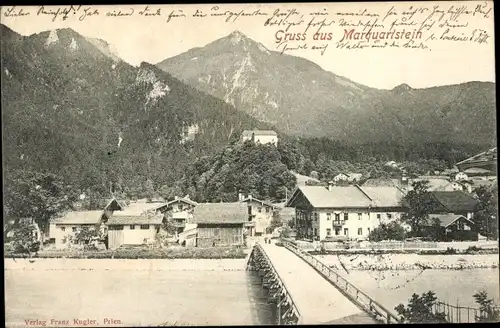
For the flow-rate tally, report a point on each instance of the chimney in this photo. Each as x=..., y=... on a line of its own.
x=330, y=185
x=249, y=197
x=240, y=197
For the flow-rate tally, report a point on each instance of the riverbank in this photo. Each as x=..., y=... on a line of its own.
x=151, y=265
x=142, y=253
x=381, y=262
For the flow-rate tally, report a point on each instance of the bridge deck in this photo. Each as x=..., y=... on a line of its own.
x=317, y=299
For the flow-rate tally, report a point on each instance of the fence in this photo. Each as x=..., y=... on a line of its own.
x=349, y=290
x=458, y=314
x=379, y=246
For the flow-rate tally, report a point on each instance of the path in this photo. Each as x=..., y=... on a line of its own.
x=317, y=299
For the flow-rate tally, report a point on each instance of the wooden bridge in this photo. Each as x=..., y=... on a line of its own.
x=308, y=292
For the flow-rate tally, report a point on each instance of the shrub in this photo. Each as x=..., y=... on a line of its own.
x=450, y=250
x=488, y=312
x=390, y=231
x=419, y=310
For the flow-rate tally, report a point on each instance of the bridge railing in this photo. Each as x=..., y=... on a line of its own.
x=282, y=284
x=348, y=289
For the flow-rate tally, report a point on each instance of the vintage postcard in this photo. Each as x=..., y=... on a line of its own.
x=249, y=164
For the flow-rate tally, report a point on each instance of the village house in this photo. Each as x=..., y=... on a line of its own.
x=349, y=212
x=220, y=224
x=460, y=176
x=455, y=227
x=260, y=214
x=486, y=160
x=454, y=202
x=260, y=136
x=133, y=229
x=340, y=177
x=136, y=224
x=180, y=210
x=63, y=229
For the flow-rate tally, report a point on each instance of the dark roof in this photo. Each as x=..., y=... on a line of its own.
x=220, y=213
x=447, y=219
x=455, y=201
x=146, y=218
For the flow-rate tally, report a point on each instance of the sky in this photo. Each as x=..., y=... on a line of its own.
x=151, y=39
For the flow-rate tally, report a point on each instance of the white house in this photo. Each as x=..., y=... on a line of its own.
x=64, y=229
x=133, y=229
x=260, y=136
x=340, y=177
x=460, y=176
x=260, y=214
x=181, y=211
x=350, y=212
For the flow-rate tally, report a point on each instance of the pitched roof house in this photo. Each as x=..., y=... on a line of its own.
x=64, y=228
x=220, y=224
x=456, y=202
x=351, y=211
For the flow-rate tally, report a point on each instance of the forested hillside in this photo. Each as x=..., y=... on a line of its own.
x=246, y=168
x=71, y=109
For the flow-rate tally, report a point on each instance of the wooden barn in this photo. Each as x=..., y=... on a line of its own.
x=220, y=224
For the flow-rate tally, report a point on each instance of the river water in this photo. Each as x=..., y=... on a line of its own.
x=183, y=295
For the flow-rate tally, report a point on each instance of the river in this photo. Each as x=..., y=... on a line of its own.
x=134, y=293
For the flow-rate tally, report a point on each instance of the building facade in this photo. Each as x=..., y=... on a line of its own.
x=260, y=215
x=260, y=136
x=349, y=212
x=63, y=230
x=220, y=224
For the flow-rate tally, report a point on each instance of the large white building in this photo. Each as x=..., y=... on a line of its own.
x=350, y=212
x=260, y=136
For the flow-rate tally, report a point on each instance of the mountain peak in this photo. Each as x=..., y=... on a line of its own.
x=236, y=37
x=402, y=88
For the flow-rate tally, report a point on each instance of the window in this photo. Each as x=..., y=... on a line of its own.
x=74, y=229
x=368, y=230
x=337, y=216
x=260, y=209
x=461, y=225
x=316, y=216
x=379, y=216
x=181, y=207
x=328, y=216
x=328, y=232
x=346, y=231
x=337, y=231
x=132, y=227
x=360, y=215
x=360, y=231
x=63, y=228
x=144, y=226
x=389, y=215
x=346, y=216
x=267, y=209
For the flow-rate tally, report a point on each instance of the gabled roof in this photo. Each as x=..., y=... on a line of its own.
x=250, y=199
x=146, y=218
x=183, y=200
x=447, y=219
x=114, y=205
x=455, y=201
x=489, y=155
x=348, y=197
x=136, y=209
x=382, y=182
x=220, y=213
x=477, y=170
x=435, y=184
x=79, y=217
x=249, y=133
